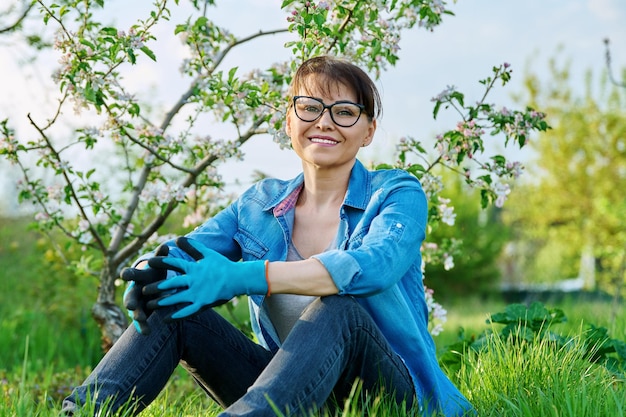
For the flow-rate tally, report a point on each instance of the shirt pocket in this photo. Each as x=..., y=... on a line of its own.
x=251, y=246
x=396, y=230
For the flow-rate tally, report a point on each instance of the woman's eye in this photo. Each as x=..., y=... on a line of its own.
x=345, y=111
x=312, y=109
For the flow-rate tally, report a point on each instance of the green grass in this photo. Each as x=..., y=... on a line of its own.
x=41, y=302
x=537, y=379
x=531, y=380
x=49, y=344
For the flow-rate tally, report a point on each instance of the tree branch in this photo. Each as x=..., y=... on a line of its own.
x=19, y=20
x=190, y=92
x=68, y=183
x=607, y=58
x=341, y=29
x=135, y=245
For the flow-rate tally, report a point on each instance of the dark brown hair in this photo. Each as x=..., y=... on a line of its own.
x=339, y=71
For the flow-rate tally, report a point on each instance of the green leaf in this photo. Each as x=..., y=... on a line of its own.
x=148, y=52
x=90, y=93
x=231, y=74
x=415, y=169
x=131, y=55
x=459, y=97
x=485, y=198
x=436, y=109
x=319, y=19
x=418, y=146
x=109, y=31
x=67, y=190
x=87, y=43
x=383, y=166
x=486, y=178
x=134, y=109
x=499, y=159
x=201, y=23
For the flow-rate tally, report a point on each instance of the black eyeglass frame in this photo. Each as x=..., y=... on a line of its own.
x=329, y=107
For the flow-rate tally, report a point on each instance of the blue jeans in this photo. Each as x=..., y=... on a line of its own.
x=334, y=343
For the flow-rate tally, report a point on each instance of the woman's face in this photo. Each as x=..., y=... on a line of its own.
x=322, y=143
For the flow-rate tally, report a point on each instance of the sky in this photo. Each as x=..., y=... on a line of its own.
x=481, y=34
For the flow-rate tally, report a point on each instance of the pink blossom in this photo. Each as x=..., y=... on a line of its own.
x=41, y=216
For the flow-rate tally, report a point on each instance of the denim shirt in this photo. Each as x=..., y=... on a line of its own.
x=377, y=261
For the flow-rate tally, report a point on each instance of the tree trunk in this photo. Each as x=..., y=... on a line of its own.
x=110, y=317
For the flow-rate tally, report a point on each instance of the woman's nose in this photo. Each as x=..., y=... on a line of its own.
x=325, y=120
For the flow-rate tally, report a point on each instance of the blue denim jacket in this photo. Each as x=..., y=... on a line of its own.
x=378, y=262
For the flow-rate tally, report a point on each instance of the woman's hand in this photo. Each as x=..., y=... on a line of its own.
x=134, y=299
x=210, y=280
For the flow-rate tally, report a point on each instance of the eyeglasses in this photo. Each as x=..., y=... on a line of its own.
x=343, y=113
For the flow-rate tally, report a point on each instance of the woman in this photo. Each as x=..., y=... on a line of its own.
x=332, y=265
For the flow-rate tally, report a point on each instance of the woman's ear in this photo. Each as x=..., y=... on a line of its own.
x=288, y=123
x=371, y=129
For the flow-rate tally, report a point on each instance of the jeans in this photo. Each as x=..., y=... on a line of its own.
x=334, y=343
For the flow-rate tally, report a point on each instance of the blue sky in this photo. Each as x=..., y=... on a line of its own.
x=483, y=33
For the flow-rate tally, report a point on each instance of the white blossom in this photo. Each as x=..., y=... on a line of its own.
x=501, y=190
x=448, y=216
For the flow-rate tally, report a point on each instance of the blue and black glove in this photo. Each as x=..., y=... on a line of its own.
x=210, y=280
x=134, y=299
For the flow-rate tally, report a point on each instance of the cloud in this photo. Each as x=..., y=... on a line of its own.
x=607, y=10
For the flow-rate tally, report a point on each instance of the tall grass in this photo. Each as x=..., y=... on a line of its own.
x=505, y=379
x=41, y=301
x=539, y=379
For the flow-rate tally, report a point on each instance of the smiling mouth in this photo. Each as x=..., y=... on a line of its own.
x=324, y=141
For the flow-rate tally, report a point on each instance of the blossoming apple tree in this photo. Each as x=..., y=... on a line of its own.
x=164, y=163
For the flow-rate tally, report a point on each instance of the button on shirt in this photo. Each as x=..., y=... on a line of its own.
x=377, y=261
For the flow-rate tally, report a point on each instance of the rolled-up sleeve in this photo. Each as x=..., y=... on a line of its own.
x=385, y=243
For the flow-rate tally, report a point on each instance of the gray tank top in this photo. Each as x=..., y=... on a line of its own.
x=285, y=309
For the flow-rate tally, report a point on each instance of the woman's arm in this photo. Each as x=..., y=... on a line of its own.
x=306, y=277
x=384, y=246
x=385, y=243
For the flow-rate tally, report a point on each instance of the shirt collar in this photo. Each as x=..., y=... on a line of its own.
x=289, y=202
x=357, y=196
x=359, y=187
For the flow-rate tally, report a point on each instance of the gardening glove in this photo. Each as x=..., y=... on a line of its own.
x=134, y=299
x=205, y=282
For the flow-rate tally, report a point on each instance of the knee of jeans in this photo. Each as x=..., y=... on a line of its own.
x=161, y=314
x=338, y=306
x=338, y=302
